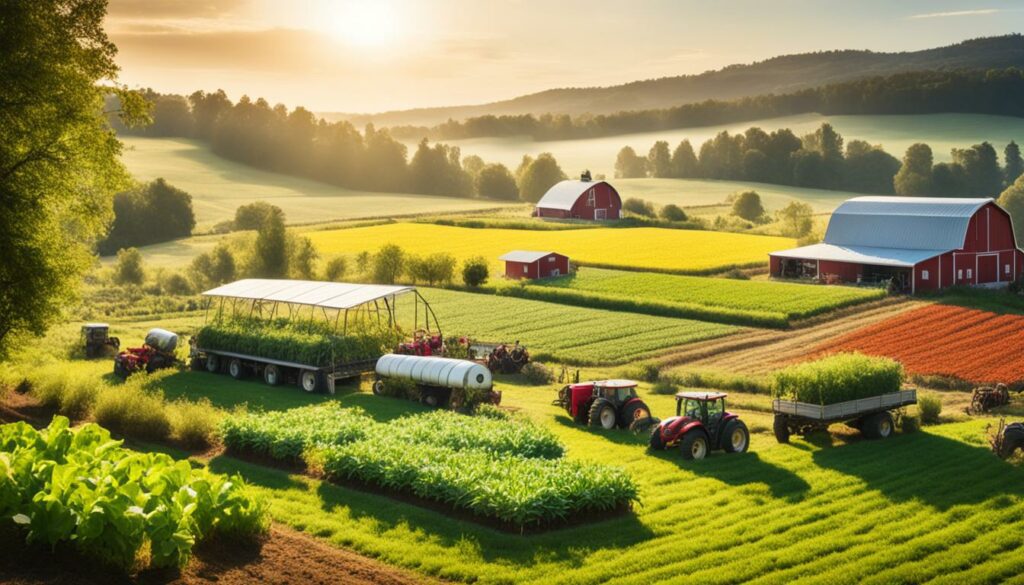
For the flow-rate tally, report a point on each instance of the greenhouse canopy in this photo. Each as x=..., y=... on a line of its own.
x=329, y=295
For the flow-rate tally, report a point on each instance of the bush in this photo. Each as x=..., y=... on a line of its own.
x=638, y=207
x=647, y=372
x=336, y=269
x=131, y=410
x=747, y=205
x=838, y=378
x=253, y=215
x=910, y=424
x=537, y=374
x=672, y=212
x=665, y=386
x=491, y=411
x=175, y=283
x=930, y=407
x=388, y=264
x=214, y=268
x=475, y=271
x=194, y=424
x=128, y=268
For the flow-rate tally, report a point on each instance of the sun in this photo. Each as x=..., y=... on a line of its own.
x=363, y=23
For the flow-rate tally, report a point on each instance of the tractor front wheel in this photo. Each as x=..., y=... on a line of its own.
x=736, y=438
x=633, y=412
x=602, y=414
x=694, y=445
x=781, y=428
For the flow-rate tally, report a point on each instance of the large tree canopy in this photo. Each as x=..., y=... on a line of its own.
x=59, y=161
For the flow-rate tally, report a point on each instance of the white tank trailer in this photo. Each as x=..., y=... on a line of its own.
x=437, y=378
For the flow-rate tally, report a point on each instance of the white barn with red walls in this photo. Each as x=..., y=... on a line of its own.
x=927, y=243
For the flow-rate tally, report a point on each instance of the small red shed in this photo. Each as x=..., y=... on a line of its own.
x=583, y=199
x=526, y=264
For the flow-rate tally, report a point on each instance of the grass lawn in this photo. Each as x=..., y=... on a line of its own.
x=218, y=186
x=667, y=250
x=784, y=301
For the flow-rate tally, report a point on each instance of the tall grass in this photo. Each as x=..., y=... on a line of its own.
x=838, y=378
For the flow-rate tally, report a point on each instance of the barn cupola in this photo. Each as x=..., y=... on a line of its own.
x=585, y=176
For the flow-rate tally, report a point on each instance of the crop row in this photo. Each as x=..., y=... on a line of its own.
x=561, y=333
x=977, y=346
x=110, y=503
x=507, y=469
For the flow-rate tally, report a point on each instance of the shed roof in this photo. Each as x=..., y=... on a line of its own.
x=563, y=195
x=906, y=223
x=331, y=295
x=527, y=256
x=900, y=257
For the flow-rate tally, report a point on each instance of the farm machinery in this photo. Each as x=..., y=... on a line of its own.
x=985, y=398
x=701, y=425
x=606, y=404
x=435, y=381
x=503, y=358
x=498, y=357
x=96, y=338
x=157, y=352
x=1007, y=439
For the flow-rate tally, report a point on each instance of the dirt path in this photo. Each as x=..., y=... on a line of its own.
x=756, y=351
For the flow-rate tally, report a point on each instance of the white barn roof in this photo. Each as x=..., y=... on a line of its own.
x=900, y=257
x=331, y=295
x=908, y=223
x=563, y=195
x=526, y=256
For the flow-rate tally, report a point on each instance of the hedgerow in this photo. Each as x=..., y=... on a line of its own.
x=838, y=378
x=111, y=503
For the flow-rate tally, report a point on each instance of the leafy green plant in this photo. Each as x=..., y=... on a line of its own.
x=929, y=407
x=132, y=410
x=838, y=378
x=537, y=374
x=194, y=424
x=286, y=434
x=111, y=503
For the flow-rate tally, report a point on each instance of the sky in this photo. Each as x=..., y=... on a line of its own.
x=366, y=56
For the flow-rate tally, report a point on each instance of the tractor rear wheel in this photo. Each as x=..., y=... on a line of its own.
x=236, y=369
x=878, y=426
x=212, y=363
x=736, y=438
x=1013, y=438
x=694, y=445
x=602, y=414
x=781, y=428
x=633, y=412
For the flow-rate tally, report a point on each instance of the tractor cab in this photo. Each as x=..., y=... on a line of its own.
x=615, y=391
x=96, y=338
x=606, y=404
x=701, y=424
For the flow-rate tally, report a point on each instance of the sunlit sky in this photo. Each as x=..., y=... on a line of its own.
x=378, y=55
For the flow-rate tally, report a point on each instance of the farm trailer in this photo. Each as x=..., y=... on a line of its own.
x=441, y=382
x=872, y=416
x=269, y=298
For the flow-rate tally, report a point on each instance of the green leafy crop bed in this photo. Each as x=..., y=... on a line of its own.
x=508, y=470
x=83, y=488
x=838, y=378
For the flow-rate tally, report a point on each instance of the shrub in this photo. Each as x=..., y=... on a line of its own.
x=910, y=424
x=665, y=385
x=253, y=215
x=175, y=283
x=475, y=271
x=336, y=268
x=128, y=268
x=638, y=207
x=747, y=205
x=133, y=411
x=491, y=411
x=194, y=424
x=388, y=264
x=930, y=407
x=838, y=378
x=647, y=372
x=672, y=212
x=537, y=374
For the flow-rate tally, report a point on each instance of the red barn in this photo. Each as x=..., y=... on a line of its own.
x=526, y=264
x=926, y=243
x=583, y=199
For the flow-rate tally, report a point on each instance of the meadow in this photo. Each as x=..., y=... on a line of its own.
x=756, y=299
x=218, y=186
x=560, y=333
x=895, y=133
x=666, y=250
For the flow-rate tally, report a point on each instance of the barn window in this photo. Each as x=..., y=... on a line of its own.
x=551, y=258
x=959, y=274
x=526, y=269
x=924, y=275
x=969, y=271
x=1006, y=269
x=590, y=198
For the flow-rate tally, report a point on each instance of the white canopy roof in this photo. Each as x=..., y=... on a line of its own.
x=524, y=256
x=563, y=195
x=900, y=257
x=908, y=223
x=331, y=295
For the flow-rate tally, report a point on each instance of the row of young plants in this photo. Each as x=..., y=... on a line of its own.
x=491, y=465
x=121, y=508
x=297, y=341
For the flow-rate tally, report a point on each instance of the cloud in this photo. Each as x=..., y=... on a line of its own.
x=157, y=9
x=979, y=12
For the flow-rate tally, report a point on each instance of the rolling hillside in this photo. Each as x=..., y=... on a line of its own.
x=781, y=74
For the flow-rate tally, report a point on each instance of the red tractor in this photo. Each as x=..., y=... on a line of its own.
x=423, y=343
x=701, y=424
x=156, y=353
x=606, y=404
x=507, y=359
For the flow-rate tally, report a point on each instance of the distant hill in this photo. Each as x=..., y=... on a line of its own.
x=783, y=74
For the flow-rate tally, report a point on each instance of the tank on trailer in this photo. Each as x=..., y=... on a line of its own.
x=441, y=381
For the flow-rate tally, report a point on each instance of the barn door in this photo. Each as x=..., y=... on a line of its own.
x=600, y=214
x=988, y=268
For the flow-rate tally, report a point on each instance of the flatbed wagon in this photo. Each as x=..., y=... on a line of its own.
x=311, y=378
x=872, y=416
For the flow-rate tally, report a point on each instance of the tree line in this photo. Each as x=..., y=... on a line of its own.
x=297, y=143
x=994, y=91
x=824, y=160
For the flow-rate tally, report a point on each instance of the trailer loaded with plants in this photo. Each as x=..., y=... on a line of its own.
x=305, y=332
x=862, y=391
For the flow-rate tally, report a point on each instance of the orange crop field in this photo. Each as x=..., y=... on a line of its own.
x=972, y=345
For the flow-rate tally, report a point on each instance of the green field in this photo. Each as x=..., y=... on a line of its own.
x=218, y=186
x=562, y=333
x=668, y=250
x=783, y=300
x=895, y=133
